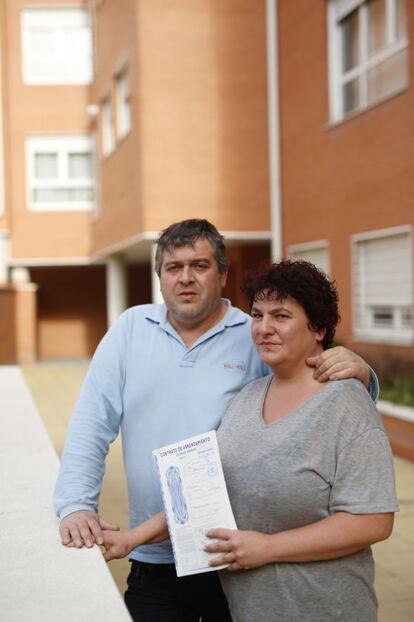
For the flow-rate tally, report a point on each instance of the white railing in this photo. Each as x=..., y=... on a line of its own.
x=39, y=578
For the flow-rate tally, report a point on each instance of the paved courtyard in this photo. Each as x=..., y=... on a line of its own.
x=55, y=387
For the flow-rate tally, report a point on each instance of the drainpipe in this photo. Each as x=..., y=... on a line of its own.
x=274, y=128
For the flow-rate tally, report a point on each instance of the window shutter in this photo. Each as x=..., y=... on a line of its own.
x=384, y=271
x=318, y=256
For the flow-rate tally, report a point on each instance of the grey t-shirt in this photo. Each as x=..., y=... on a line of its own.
x=329, y=454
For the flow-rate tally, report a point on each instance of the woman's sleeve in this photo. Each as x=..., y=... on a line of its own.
x=364, y=480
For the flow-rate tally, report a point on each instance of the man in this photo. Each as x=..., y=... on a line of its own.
x=163, y=373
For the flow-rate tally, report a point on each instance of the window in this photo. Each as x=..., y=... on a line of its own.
x=123, y=104
x=382, y=286
x=315, y=252
x=108, y=134
x=57, y=46
x=367, y=53
x=60, y=172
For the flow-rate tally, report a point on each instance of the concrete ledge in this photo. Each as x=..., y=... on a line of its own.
x=394, y=410
x=39, y=578
x=399, y=423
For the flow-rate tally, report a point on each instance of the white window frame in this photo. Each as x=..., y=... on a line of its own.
x=107, y=125
x=123, y=103
x=54, y=19
x=338, y=10
x=397, y=334
x=62, y=144
x=315, y=245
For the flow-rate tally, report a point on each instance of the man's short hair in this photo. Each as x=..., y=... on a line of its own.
x=186, y=233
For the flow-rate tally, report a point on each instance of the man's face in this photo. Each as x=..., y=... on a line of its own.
x=191, y=284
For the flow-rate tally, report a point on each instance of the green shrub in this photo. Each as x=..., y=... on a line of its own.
x=399, y=391
x=396, y=377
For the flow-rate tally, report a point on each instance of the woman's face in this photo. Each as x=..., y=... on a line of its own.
x=281, y=333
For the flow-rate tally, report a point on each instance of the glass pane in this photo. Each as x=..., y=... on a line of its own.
x=388, y=76
x=77, y=42
x=350, y=41
x=382, y=316
x=377, y=31
x=46, y=165
x=42, y=41
x=124, y=109
x=107, y=127
x=406, y=318
x=107, y=111
x=401, y=19
x=62, y=195
x=124, y=87
x=80, y=166
x=350, y=93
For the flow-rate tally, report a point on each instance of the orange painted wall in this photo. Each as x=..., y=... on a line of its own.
x=242, y=259
x=52, y=109
x=204, y=116
x=25, y=310
x=71, y=310
x=4, y=220
x=18, y=324
x=120, y=211
x=198, y=145
x=7, y=325
x=401, y=434
x=349, y=178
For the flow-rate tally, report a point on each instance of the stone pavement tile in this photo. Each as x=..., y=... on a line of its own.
x=405, y=529
x=396, y=557
x=397, y=611
x=389, y=586
x=55, y=387
x=404, y=474
x=404, y=469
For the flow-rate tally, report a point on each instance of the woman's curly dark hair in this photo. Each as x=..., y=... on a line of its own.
x=303, y=282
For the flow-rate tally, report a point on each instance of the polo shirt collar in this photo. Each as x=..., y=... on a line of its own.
x=158, y=313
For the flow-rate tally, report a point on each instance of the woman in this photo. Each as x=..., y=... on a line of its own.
x=308, y=468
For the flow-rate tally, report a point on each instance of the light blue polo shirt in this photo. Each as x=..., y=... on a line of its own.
x=144, y=380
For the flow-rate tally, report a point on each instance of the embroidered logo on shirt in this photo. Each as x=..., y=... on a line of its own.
x=235, y=366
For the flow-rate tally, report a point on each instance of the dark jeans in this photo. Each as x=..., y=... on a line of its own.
x=156, y=594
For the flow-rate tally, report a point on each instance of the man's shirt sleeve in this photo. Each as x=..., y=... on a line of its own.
x=373, y=387
x=94, y=425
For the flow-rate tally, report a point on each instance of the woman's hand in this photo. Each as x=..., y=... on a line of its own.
x=242, y=550
x=338, y=535
x=117, y=544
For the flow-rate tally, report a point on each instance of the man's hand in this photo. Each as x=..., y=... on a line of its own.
x=338, y=364
x=84, y=528
x=117, y=544
x=242, y=550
